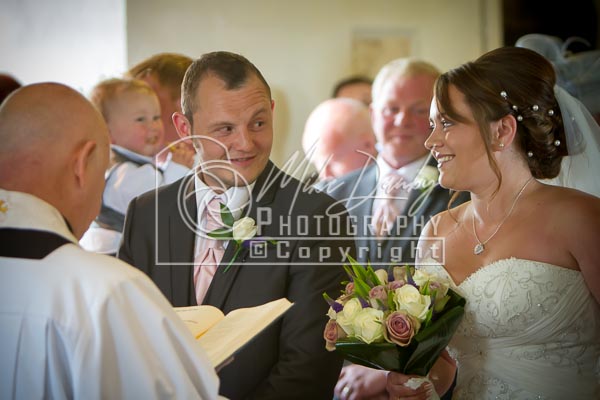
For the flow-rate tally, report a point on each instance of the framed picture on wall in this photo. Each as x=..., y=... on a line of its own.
x=373, y=48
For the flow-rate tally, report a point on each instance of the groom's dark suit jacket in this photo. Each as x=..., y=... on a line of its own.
x=357, y=192
x=288, y=360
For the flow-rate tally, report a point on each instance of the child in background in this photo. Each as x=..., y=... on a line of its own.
x=132, y=112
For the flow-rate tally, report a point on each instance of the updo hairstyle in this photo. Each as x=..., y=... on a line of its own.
x=517, y=81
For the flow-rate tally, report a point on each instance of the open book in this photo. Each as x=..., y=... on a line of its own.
x=223, y=335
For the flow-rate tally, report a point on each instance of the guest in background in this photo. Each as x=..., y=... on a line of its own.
x=579, y=75
x=338, y=137
x=8, y=84
x=132, y=112
x=164, y=73
x=75, y=324
x=228, y=112
x=356, y=87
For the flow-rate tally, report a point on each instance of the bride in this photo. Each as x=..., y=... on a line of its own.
x=525, y=254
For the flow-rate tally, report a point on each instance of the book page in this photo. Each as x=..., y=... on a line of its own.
x=238, y=327
x=199, y=319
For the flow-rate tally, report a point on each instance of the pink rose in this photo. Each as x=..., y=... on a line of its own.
x=332, y=333
x=400, y=328
x=378, y=292
x=378, y=297
x=350, y=288
x=393, y=285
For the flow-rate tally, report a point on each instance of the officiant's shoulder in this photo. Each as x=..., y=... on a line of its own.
x=112, y=272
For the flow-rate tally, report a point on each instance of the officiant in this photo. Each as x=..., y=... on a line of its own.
x=75, y=324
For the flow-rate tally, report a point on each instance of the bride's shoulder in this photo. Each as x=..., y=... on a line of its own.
x=572, y=201
x=573, y=210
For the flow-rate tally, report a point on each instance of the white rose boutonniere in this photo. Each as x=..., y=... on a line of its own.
x=241, y=232
x=426, y=178
x=244, y=229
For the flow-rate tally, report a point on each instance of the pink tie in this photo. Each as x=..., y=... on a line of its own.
x=388, y=208
x=207, y=260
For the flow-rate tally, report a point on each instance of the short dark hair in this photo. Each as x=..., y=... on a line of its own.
x=352, y=80
x=233, y=69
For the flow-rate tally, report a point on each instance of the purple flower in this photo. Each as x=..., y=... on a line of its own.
x=391, y=275
x=337, y=307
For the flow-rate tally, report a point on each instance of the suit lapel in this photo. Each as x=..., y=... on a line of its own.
x=222, y=282
x=362, y=205
x=181, y=246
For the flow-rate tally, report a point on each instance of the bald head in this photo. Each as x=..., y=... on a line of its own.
x=55, y=147
x=337, y=135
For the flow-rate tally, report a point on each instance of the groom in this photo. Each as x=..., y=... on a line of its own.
x=227, y=112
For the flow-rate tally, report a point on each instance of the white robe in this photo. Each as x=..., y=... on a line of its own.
x=83, y=325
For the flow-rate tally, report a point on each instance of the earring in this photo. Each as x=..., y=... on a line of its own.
x=501, y=145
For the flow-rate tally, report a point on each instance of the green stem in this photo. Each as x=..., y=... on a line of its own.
x=237, y=252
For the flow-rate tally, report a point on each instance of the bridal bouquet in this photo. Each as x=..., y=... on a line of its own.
x=399, y=320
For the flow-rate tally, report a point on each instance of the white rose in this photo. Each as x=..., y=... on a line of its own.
x=437, y=283
x=368, y=325
x=382, y=274
x=331, y=313
x=421, y=277
x=244, y=229
x=345, y=318
x=408, y=299
x=441, y=288
x=427, y=176
x=399, y=273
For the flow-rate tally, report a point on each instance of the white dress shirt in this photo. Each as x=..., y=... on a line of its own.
x=408, y=173
x=236, y=198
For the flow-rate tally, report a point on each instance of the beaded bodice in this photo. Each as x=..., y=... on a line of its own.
x=531, y=330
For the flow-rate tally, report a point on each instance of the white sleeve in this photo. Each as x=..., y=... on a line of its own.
x=174, y=171
x=128, y=181
x=141, y=349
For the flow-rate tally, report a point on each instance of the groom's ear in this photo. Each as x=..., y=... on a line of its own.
x=504, y=132
x=182, y=125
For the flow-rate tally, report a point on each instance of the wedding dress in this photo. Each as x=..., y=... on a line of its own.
x=531, y=330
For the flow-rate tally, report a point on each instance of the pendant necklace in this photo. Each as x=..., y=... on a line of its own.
x=480, y=246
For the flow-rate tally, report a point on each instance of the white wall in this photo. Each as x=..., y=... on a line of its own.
x=76, y=42
x=304, y=47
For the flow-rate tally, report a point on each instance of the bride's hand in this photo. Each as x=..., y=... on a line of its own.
x=397, y=390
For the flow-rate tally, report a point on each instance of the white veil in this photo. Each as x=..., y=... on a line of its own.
x=581, y=168
x=577, y=91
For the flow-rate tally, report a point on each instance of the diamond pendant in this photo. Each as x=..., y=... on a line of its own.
x=478, y=249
